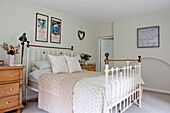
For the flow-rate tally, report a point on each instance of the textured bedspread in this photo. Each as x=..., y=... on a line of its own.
x=56, y=90
x=81, y=92
x=89, y=93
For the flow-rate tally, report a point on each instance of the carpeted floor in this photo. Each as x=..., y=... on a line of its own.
x=151, y=103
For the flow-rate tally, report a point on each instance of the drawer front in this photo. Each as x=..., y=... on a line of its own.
x=8, y=102
x=85, y=67
x=93, y=68
x=9, y=89
x=8, y=75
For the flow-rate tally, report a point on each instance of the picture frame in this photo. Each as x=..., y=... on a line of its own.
x=41, y=29
x=55, y=32
x=148, y=37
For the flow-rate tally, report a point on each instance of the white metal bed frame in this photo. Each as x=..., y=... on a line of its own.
x=38, y=53
x=128, y=97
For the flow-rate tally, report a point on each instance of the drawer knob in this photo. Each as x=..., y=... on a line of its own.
x=10, y=89
x=7, y=103
x=11, y=75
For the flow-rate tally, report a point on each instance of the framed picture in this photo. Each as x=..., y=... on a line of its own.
x=55, y=34
x=148, y=37
x=41, y=33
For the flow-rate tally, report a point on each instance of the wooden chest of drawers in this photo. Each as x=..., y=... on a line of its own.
x=11, y=78
x=89, y=67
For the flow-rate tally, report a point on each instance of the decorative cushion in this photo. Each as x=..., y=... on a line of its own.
x=73, y=64
x=58, y=64
x=45, y=64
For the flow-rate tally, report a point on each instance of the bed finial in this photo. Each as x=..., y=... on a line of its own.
x=28, y=44
x=72, y=48
x=106, y=60
x=139, y=60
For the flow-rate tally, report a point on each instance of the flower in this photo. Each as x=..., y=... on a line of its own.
x=11, y=50
x=85, y=56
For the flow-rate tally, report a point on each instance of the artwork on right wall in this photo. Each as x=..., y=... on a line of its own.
x=148, y=37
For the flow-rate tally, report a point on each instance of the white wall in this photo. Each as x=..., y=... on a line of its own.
x=18, y=16
x=125, y=33
x=104, y=30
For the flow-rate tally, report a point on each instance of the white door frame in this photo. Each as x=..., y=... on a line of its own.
x=99, y=48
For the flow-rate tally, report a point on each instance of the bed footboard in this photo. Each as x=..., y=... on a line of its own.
x=129, y=89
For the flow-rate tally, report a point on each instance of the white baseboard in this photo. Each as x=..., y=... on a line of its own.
x=157, y=90
x=32, y=97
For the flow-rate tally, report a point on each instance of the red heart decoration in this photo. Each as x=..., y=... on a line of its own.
x=81, y=35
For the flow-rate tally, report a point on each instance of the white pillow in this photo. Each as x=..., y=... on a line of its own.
x=45, y=64
x=73, y=64
x=58, y=64
x=34, y=68
x=34, y=75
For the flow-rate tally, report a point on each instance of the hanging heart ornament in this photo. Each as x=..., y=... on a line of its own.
x=81, y=35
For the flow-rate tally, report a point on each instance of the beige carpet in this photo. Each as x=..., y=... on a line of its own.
x=151, y=103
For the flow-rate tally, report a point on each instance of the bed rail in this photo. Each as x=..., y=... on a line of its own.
x=107, y=60
x=28, y=45
x=129, y=90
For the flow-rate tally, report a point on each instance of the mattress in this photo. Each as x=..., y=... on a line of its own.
x=33, y=85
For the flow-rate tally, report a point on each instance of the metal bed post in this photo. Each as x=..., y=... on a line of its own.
x=140, y=89
x=71, y=51
x=106, y=80
x=26, y=81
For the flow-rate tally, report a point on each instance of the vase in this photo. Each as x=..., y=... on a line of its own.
x=85, y=62
x=11, y=60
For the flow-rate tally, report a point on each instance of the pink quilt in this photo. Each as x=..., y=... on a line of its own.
x=56, y=90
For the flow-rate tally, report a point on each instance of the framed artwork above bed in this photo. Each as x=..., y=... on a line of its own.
x=55, y=34
x=148, y=37
x=41, y=29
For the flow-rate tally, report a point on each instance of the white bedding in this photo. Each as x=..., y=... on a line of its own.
x=89, y=93
x=34, y=75
x=81, y=92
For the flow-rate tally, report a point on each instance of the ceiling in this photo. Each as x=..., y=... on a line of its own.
x=105, y=11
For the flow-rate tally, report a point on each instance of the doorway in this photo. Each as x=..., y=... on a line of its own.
x=106, y=45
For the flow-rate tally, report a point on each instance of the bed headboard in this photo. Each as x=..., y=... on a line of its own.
x=39, y=53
